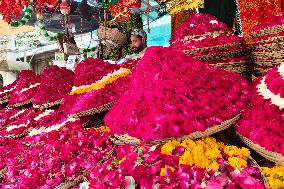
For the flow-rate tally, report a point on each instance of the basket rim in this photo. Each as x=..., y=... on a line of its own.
x=198, y=134
x=277, y=157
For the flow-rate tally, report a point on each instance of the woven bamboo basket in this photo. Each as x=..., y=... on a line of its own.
x=270, y=46
x=69, y=183
x=268, y=31
x=223, y=55
x=262, y=175
x=13, y=136
x=216, y=47
x=113, y=35
x=126, y=139
x=5, y=99
x=93, y=111
x=276, y=39
x=3, y=172
x=48, y=105
x=271, y=156
x=215, y=34
x=237, y=67
x=22, y=104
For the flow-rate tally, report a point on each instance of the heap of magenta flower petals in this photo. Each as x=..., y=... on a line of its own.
x=55, y=84
x=78, y=104
x=6, y=91
x=49, y=159
x=147, y=167
x=20, y=124
x=26, y=87
x=6, y=114
x=176, y=96
x=262, y=121
x=74, y=104
x=199, y=25
x=91, y=70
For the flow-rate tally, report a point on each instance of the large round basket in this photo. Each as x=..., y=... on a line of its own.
x=93, y=111
x=17, y=105
x=112, y=35
x=271, y=156
x=126, y=139
x=48, y=105
x=268, y=31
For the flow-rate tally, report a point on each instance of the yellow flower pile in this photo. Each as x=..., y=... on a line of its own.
x=103, y=129
x=108, y=79
x=204, y=153
x=274, y=176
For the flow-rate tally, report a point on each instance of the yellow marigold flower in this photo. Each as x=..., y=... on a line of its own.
x=162, y=173
x=186, y=159
x=188, y=144
x=169, y=147
x=237, y=162
x=105, y=129
x=213, y=154
x=214, y=165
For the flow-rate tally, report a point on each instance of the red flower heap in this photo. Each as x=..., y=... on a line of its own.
x=96, y=86
x=6, y=91
x=200, y=25
x=56, y=83
x=268, y=39
x=211, y=41
x=90, y=70
x=262, y=122
x=26, y=88
x=171, y=95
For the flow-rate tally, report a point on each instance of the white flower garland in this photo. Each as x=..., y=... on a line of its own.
x=267, y=94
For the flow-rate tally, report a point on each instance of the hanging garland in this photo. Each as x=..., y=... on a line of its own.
x=42, y=27
x=23, y=21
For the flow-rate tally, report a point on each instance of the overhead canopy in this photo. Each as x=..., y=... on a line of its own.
x=5, y=29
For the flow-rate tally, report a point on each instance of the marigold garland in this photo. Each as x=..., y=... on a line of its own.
x=108, y=79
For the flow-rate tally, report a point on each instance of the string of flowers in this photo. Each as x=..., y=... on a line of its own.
x=27, y=15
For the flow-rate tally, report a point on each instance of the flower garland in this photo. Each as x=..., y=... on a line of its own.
x=44, y=32
x=262, y=121
x=6, y=91
x=109, y=78
x=27, y=15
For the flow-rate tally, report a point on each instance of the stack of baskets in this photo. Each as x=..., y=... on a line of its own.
x=268, y=42
x=217, y=47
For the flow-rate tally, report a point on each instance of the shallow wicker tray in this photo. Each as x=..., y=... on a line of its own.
x=13, y=136
x=237, y=67
x=223, y=55
x=22, y=104
x=268, y=31
x=93, y=111
x=271, y=156
x=216, y=47
x=48, y=105
x=126, y=139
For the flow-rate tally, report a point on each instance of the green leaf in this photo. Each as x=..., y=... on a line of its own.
x=114, y=162
x=140, y=153
x=85, y=185
x=217, y=173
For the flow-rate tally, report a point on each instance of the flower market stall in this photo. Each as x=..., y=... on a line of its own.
x=184, y=116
